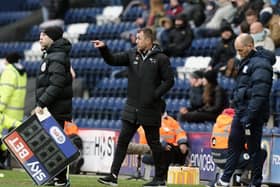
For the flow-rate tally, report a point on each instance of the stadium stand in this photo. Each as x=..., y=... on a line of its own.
x=107, y=93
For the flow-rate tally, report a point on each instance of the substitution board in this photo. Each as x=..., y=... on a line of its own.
x=41, y=147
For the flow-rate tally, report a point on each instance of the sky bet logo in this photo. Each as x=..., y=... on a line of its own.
x=18, y=147
x=26, y=157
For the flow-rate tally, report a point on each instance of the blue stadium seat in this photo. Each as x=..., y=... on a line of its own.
x=104, y=123
x=118, y=124
x=267, y=131
x=275, y=130
x=201, y=127
x=90, y=123
x=209, y=126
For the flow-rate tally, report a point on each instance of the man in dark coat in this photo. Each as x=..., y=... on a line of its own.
x=54, y=83
x=251, y=103
x=180, y=37
x=150, y=76
x=224, y=50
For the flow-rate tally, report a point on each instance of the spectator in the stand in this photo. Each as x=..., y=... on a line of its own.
x=256, y=5
x=174, y=8
x=261, y=36
x=53, y=12
x=166, y=25
x=180, y=37
x=224, y=13
x=224, y=50
x=214, y=101
x=272, y=22
x=150, y=18
x=156, y=13
x=140, y=23
x=244, y=27
x=54, y=9
x=194, y=11
x=195, y=93
x=241, y=8
x=251, y=16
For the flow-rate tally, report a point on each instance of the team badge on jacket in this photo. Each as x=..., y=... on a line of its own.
x=245, y=69
x=43, y=67
x=152, y=60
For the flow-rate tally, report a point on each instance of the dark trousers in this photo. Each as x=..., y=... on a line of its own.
x=127, y=132
x=220, y=158
x=236, y=142
x=63, y=174
x=174, y=156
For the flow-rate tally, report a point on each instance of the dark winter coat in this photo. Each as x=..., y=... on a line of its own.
x=224, y=51
x=180, y=39
x=54, y=81
x=253, y=84
x=149, y=78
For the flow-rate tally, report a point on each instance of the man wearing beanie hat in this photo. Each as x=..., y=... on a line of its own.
x=54, y=33
x=224, y=50
x=54, y=83
x=12, y=96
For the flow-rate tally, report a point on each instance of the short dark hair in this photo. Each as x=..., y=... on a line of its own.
x=251, y=12
x=13, y=57
x=148, y=33
x=244, y=27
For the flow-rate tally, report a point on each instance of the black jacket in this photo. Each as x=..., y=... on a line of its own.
x=180, y=39
x=254, y=81
x=149, y=78
x=223, y=52
x=54, y=81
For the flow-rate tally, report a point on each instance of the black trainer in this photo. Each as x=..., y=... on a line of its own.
x=155, y=182
x=57, y=182
x=111, y=180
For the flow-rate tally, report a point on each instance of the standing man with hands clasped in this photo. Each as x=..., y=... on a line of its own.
x=251, y=104
x=150, y=76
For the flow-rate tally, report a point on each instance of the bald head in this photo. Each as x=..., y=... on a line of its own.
x=244, y=44
x=256, y=27
x=244, y=39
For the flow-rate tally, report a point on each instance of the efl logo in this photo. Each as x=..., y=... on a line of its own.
x=57, y=135
x=18, y=147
